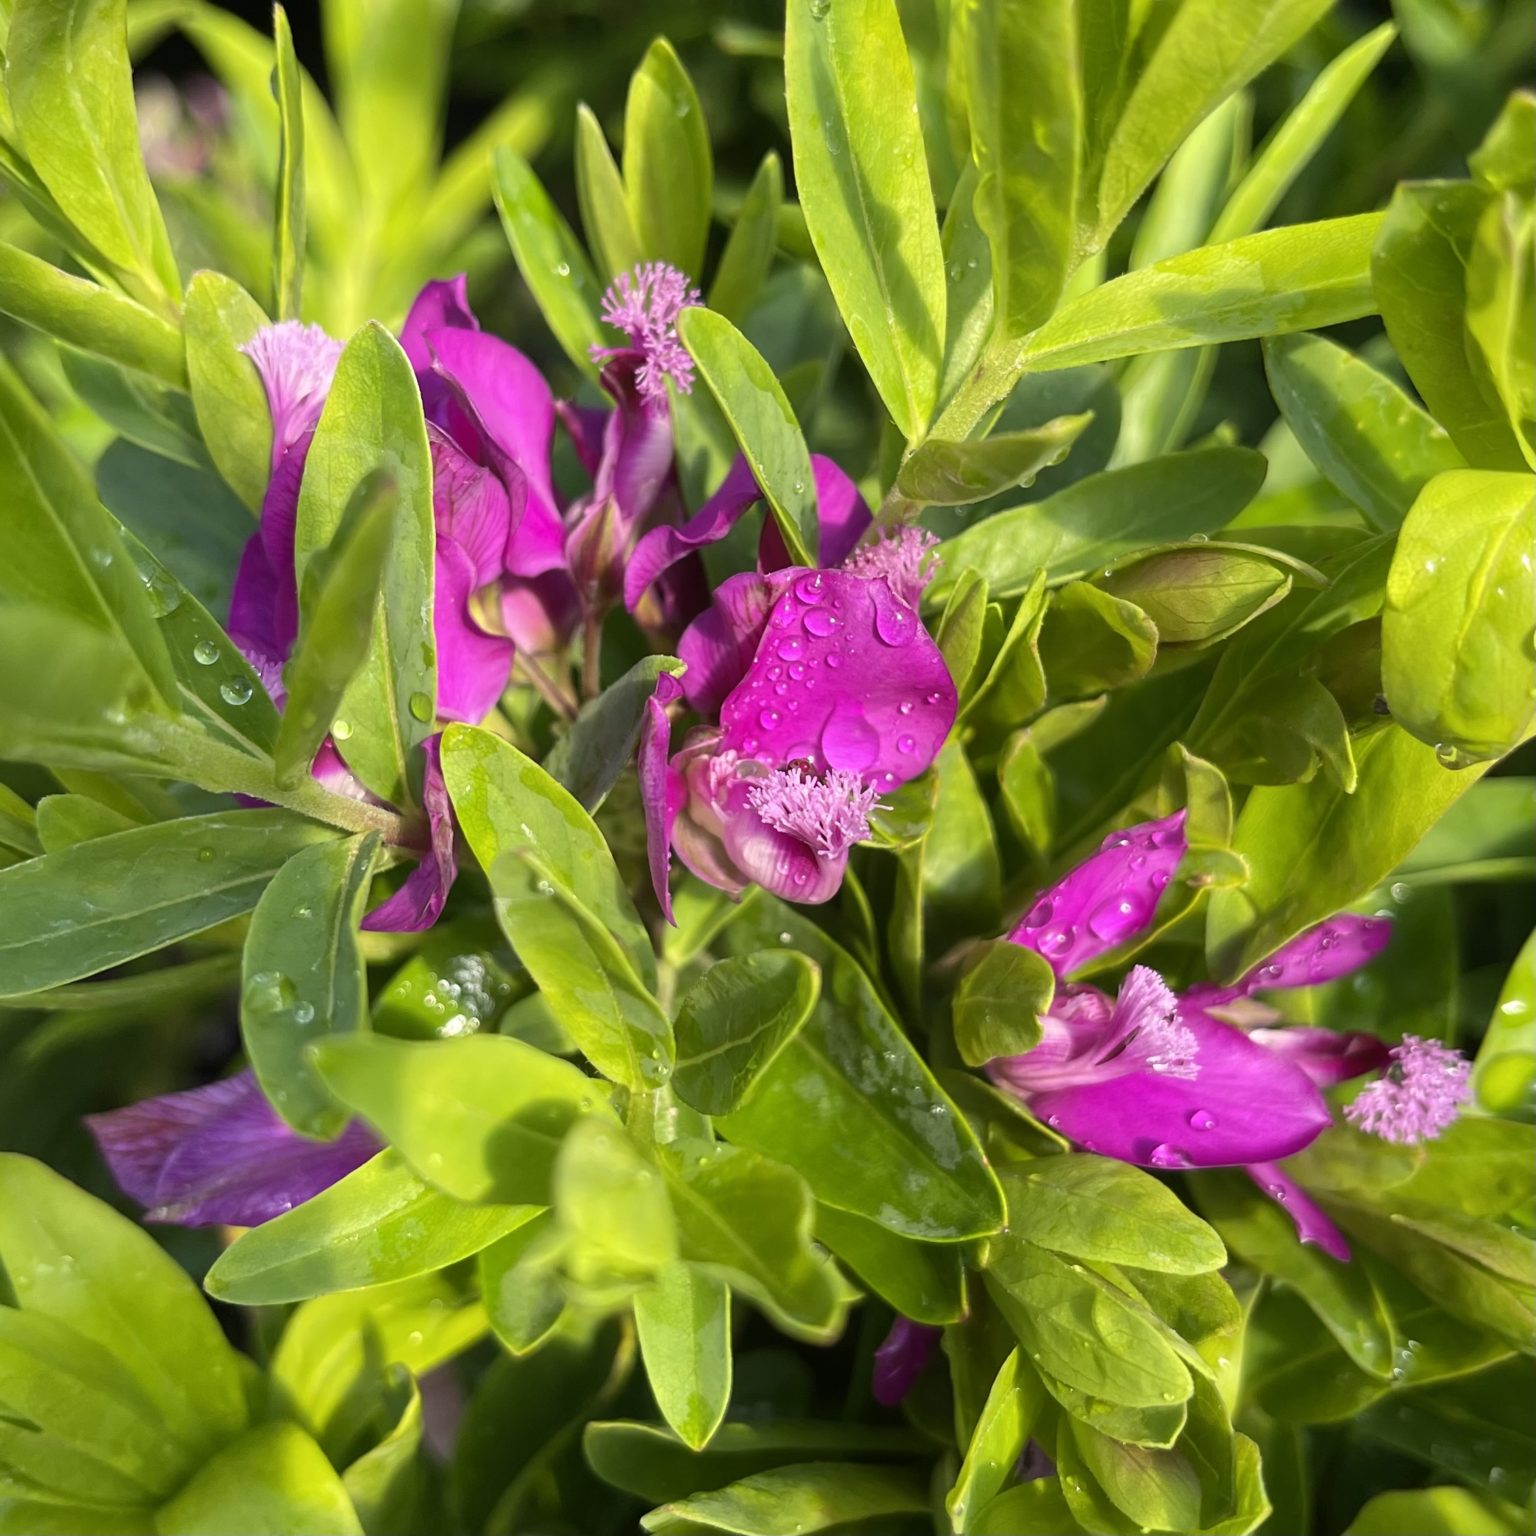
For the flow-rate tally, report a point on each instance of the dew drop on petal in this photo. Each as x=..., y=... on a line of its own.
x=848, y=740
x=1201, y=1120
x=790, y=648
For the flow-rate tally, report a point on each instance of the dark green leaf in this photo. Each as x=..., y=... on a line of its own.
x=288, y=229
x=605, y=214
x=922, y=1281
x=668, y=169
x=793, y=1501
x=748, y=252
x=1198, y=596
x=954, y=474
x=1001, y=994
x=1092, y=641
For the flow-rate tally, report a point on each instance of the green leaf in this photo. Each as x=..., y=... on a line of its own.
x=1419, y=268
x=1092, y=641
x=580, y=938
x=1011, y=1412
x=1437, y=1512
x=1481, y=836
x=372, y=420
x=1312, y=848
x=74, y=1261
x=336, y=618
x=82, y=910
x=669, y=174
x=1182, y=66
x=683, y=1323
x=1505, y=1068
x=1026, y=113
x=862, y=179
x=749, y=248
x=998, y=1002
x=1198, y=595
x=1358, y=427
x=1095, y=1208
x=83, y=314
x=1035, y=1506
x=968, y=285
x=378, y=1224
x=733, y=1022
x=481, y=1117
x=601, y=741
x=600, y=192
x=762, y=422
x=793, y=1501
x=1501, y=309
x=520, y=1283
x=71, y=93
x=1300, y=133
x=922, y=1281
x=948, y=474
x=272, y=1481
x=550, y=258
x=961, y=626
x=227, y=392
x=62, y=549
x=1083, y=1332
x=1296, y=279
x=1504, y=160
x=1102, y=517
x=288, y=227
x=611, y=1204
x=302, y=976
x=385, y=1482
x=1456, y=630
x=851, y=1106
x=747, y=1221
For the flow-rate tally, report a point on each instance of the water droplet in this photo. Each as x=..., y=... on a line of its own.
x=1454, y=757
x=1059, y=942
x=1201, y=1120
x=1166, y=1156
x=341, y=729
x=821, y=623
x=1199, y=538
x=1039, y=914
x=785, y=938
x=236, y=691
x=938, y=1111
x=769, y=718
x=421, y=707
x=304, y=1013
x=848, y=740
x=1114, y=919
x=205, y=653
x=164, y=593
x=790, y=648
x=101, y=558
x=834, y=662
x=810, y=589
x=205, y=855
x=562, y=269
x=819, y=9
x=797, y=671
x=303, y=910
x=895, y=623
x=1054, y=1121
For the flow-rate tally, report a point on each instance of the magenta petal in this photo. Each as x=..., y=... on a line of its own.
x=539, y=613
x=1325, y=1055
x=1312, y=1224
x=264, y=602
x=441, y=303
x=637, y=448
x=253, y=613
x=472, y=666
x=841, y=513
x=778, y=861
x=719, y=645
x=844, y=677
x=661, y=788
x=663, y=547
x=1246, y=1105
x=419, y=902
x=472, y=506
x=221, y=1155
x=1332, y=949
x=297, y=364
x=1107, y=899
x=902, y=1358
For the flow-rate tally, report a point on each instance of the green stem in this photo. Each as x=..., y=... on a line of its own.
x=546, y=687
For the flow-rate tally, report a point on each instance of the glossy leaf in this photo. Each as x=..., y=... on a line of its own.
x=612, y=1207
x=762, y=422
x=90, y=907
x=683, y=1324
x=948, y=474
x=1505, y=1069
x=922, y=1281
x=792, y=1501
x=1011, y=1412
x=1092, y=641
x=735, y=1020
x=605, y=215
x=1198, y=596
x=863, y=184
x=668, y=168
x=849, y=1102
x=481, y=1118
x=749, y=248
x=288, y=230
x=1456, y=630
x=998, y=1001
x=372, y=420
x=303, y=977
x=520, y=1283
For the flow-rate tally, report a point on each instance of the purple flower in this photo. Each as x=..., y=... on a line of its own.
x=296, y=363
x=419, y=901
x=645, y=304
x=221, y=1156
x=902, y=1358
x=1171, y=1081
x=820, y=691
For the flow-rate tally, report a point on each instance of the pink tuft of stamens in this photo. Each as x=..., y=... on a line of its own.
x=1151, y=1030
x=903, y=556
x=1417, y=1096
x=297, y=363
x=645, y=305
x=829, y=814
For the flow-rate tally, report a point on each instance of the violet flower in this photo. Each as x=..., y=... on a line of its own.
x=820, y=691
x=220, y=1155
x=903, y=1357
x=1163, y=1080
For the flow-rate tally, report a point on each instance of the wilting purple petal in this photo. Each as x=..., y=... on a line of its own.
x=902, y=1358
x=221, y=1155
x=1108, y=898
x=844, y=677
x=1325, y=1055
x=661, y=790
x=1324, y=953
x=661, y=548
x=1245, y=1105
x=472, y=666
x=419, y=902
x=443, y=303
x=1312, y=1223
x=719, y=645
x=296, y=363
x=1417, y=1097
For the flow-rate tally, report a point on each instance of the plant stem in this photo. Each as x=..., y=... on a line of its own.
x=592, y=656
x=546, y=687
